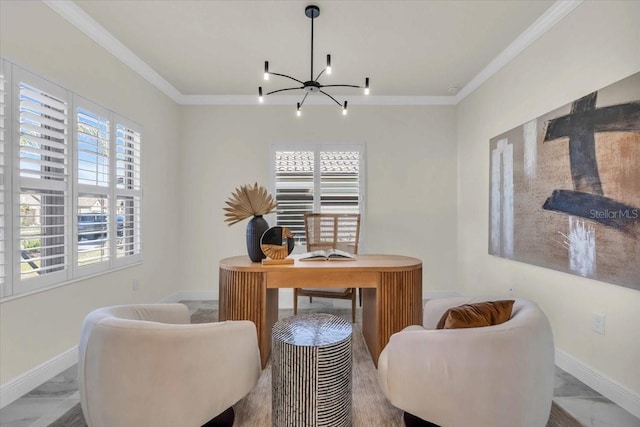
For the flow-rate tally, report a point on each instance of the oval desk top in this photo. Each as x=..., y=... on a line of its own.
x=363, y=262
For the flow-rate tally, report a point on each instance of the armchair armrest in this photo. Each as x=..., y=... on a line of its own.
x=205, y=367
x=431, y=373
x=161, y=313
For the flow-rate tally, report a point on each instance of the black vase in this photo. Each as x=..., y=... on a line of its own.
x=255, y=228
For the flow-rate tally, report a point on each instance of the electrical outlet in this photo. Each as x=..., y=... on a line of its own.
x=597, y=323
x=136, y=284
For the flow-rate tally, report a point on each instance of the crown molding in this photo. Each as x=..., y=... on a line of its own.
x=551, y=17
x=96, y=32
x=85, y=23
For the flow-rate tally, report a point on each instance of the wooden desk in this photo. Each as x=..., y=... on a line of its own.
x=391, y=297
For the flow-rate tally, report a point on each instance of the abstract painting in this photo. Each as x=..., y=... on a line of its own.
x=565, y=188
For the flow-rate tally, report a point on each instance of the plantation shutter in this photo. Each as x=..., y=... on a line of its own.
x=340, y=188
x=294, y=189
x=43, y=181
x=5, y=289
x=316, y=178
x=339, y=182
x=70, y=185
x=93, y=176
x=128, y=191
x=93, y=148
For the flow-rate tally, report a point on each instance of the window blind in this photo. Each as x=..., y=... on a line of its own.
x=43, y=182
x=340, y=188
x=339, y=181
x=92, y=148
x=128, y=191
x=318, y=179
x=128, y=158
x=129, y=240
x=4, y=123
x=294, y=189
x=70, y=185
x=94, y=225
x=94, y=230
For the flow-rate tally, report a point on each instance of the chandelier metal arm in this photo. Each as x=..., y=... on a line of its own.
x=289, y=77
x=358, y=87
x=282, y=90
x=321, y=72
x=334, y=100
x=303, y=99
x=312, y=85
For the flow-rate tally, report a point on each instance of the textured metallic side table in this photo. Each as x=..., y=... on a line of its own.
x=311, y=371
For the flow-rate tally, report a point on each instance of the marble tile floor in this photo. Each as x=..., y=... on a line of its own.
x=51, y=400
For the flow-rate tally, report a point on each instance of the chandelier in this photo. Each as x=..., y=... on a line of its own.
x=312, y=85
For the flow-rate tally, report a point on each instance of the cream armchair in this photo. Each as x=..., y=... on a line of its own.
x=495, y=376
x=146, y=365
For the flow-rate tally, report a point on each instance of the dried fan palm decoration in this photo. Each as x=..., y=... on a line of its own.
x=248, y=201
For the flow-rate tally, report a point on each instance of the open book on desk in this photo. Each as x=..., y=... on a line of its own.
x=328, y=255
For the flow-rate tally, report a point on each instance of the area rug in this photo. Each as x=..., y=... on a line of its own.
x=370, y=406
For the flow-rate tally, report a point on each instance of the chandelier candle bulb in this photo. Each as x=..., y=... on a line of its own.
x=298, y=112
x=366, y=86
x=260, y=97
x=344, y=110
x=266, y=70
x=328, y=64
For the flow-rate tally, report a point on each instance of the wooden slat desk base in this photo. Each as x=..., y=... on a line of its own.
x=392, y=294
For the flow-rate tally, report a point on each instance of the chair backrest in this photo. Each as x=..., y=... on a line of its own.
x=131, y=357
x=332, y=231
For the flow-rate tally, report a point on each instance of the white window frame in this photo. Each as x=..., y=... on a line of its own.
x=91, y=190
x=317, y=148
x=14, y=286
x=123, y=192
x=19, y=286
x=6, y=136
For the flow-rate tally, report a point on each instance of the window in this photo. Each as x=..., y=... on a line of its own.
x=42, y=184
x=128, y=190
x=4, y=177
x=69, y=207
x=316, y=178
x=93, y=178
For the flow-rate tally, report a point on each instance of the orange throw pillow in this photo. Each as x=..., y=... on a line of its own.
x=476, y=315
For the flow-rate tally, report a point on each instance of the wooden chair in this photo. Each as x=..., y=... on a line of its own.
x=330, y=231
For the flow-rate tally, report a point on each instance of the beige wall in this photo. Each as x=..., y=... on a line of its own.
x=596, y=45
x=425, y=197
x=36, y=328
x=410, y=178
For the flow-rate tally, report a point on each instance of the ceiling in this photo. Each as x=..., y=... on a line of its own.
x=407, y=48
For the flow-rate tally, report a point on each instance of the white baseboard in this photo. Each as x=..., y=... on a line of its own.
x=23, y=384
x=612, y=390
x=191, y=296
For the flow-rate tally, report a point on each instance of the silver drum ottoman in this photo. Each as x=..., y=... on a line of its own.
x=311, y=371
